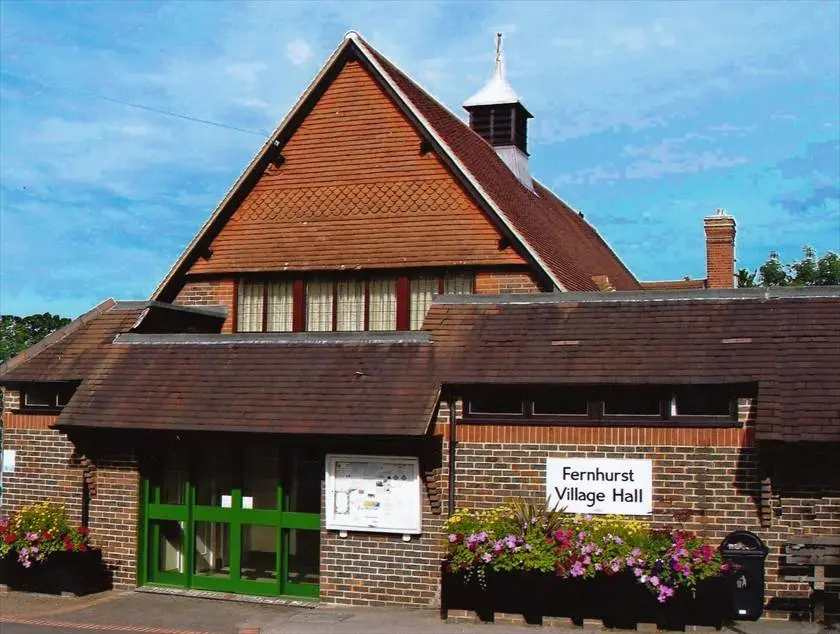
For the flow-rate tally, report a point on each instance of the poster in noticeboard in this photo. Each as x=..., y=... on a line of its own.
x=373, y=493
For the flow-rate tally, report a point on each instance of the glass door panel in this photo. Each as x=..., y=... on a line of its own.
x=260, y=478
x=167, y=555
x=212, y=549
x=259, y=560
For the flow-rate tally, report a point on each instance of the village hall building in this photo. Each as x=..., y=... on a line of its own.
x=388, y=317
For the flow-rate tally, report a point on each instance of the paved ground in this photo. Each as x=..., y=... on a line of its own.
x=135, y=612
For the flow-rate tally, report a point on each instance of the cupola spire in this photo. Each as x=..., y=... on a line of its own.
x=498, y=116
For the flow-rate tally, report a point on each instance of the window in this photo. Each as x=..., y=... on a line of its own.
x=562, y=401
x=343, y=304
x=497, y=401
x=702, y=400
x=47, y=396
x=422, y=291
x=319, y=306
x=633, y=400
x=383, y=304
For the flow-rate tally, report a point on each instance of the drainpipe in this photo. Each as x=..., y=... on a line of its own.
x=453, y=443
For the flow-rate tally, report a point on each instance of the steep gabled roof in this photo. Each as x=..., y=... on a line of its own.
x=555, y=239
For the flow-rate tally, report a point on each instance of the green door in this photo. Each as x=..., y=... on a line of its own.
x=244, y=521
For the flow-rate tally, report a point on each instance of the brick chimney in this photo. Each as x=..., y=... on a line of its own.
x=720, y=250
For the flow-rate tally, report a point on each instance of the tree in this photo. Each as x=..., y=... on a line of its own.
x=18, y=333
x=809, y=271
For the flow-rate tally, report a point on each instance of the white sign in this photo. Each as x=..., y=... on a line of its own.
x=227, y=501
x=600, y=486
x=8, y=460
x=373, y=493
x=247, y=502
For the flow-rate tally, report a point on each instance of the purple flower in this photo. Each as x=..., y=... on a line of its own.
x=31, y=537
x=577, y=569
x=453, y=538
x=616, y=565
x=654, y=581
x=487, y=558
x=635, y=552
x=528, y=547
x=598, y=567
x=630, y=560
x=637, y=572
x=664, y=593
x=498, y=547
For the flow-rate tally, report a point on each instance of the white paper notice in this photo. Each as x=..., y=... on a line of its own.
x=8, y=461
x=227, y=501
x=247, y=502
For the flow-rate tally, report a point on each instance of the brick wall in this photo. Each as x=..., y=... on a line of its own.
x=210, y=292
x=50, y=467
x=706, y=480
x=501, y=282
x=381, y=568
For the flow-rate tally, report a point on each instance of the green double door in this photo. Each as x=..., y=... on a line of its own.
x=234, y=519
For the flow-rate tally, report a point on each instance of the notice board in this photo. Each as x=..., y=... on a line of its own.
x=373, y=493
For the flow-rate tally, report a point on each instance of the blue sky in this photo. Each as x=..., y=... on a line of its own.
x=648, y=116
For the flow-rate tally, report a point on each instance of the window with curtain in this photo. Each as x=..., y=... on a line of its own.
x=249, y=314
x=319, y=306
x=383, y=304
x=280, y=307
x=350, y=305
x=458, y=284
x=422, y=289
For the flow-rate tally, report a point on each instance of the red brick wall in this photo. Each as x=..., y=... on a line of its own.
x=712, y=476
x=501, y=282
x=49, y=468
x=210, y=292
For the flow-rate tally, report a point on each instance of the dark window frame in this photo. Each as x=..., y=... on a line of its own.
x=596, y=415
x=55, y=390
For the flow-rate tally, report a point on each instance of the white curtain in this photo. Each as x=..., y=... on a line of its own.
x=458, y=284
x=319, y=306
x=383, y=304
x=279, y=318
x=250, y=307
x=422, y=291
x=350, y=305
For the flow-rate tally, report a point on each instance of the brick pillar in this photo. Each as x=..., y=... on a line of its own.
x=720, y=250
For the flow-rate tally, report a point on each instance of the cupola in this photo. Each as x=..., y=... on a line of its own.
x=498, y=116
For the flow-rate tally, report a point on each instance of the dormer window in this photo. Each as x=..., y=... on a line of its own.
x=46, y=396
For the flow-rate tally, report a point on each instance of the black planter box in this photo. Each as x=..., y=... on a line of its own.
x=619, y=600
x=62, y=572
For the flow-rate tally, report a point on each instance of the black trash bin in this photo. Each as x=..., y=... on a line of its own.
x=745, y=553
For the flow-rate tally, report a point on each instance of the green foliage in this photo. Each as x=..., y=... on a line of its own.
x=18, y=333
x=809, y=271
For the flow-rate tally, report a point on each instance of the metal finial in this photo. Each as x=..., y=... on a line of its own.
x=500, y=67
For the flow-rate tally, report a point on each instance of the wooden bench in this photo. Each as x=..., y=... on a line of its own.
x=813, y=554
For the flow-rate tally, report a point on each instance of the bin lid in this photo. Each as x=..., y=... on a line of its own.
x=743, y=543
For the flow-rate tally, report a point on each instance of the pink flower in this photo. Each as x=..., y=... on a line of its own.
x=654, y=581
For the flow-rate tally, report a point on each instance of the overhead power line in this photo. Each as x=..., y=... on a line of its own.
x=130, y=104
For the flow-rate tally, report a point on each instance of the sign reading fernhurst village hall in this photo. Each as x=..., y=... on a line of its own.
x=600, y=485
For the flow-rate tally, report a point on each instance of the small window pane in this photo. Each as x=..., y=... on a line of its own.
x=39, y=397
x=280, y=307
x=170, y=546
x=423, y=289
x=261, y=477
x=319, y=306
x=702, y=400
x=350, y=304
x=64, y=395
x=249, y=311
x=304, y=556
x=259, y=553
x=212, y=549
x=383, y=304
x=633, y=401
x=567, y=401
x=458, y=284
x=496, y=402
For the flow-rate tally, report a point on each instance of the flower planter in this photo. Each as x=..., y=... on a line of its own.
x=619, y=600
x=63, y=572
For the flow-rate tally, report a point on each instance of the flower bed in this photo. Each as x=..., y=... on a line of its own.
x=41, y=552
x=565, y=565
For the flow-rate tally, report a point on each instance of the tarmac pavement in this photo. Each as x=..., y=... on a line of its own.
x=144, y=613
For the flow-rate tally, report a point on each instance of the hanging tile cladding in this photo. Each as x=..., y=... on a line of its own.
x=789, y=346
x=569, y=246
x=386, y=389
x=354, y=191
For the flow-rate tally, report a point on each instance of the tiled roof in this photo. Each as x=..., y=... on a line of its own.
x=673, y=285
x=789, y=346
x=302, y=388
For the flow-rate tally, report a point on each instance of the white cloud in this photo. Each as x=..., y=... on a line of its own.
x=246, y=72
x=298, y=52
